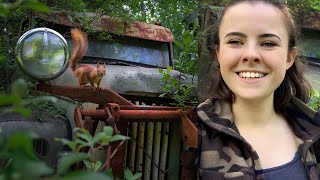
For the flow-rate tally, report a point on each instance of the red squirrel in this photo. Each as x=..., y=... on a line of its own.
x=85, y=73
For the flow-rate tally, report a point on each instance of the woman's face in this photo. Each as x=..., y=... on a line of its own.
x=253, y=50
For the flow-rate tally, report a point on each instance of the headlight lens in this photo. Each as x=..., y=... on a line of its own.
x=42, y=53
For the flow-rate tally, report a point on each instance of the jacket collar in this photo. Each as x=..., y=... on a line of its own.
x=218, y=115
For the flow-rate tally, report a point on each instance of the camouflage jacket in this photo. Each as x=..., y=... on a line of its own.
x=224, y=154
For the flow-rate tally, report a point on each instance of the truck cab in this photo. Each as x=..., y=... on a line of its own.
x=133, y=53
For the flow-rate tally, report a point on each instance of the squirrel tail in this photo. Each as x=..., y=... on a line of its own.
x=80, y=46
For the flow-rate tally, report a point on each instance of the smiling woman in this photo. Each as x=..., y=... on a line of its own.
x=256, y=125
x=250, y=43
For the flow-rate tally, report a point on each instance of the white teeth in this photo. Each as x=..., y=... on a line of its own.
x=251, y=75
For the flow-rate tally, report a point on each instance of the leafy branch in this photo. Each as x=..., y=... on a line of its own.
x=182, y=89
x=83, y=140
x=314, y=102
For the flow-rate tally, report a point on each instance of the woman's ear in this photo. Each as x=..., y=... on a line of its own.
x=291, y=57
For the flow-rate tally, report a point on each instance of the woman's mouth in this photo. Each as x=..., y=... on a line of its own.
x=251, y=75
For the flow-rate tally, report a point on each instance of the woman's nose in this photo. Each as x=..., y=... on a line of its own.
x=251, y=54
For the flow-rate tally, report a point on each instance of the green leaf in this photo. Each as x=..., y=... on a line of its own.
x=175, y=83
x=41, y=99
x=179, y=44
x=169, y=69
x=19, y=88
x=37, y=169
x=70, y=144
x=187, y=39
x=22, y=141
x=97, y=166
x=160, y=70
x=118, y=137
x=80, y=175
x=85, y=137
x=88, y=164
x=9, y=99
x=168, y=86
x=108, y=130
x=83, y=131
x=23, y=111
x=70, y=18
x=36, y=6
x=108, y=172
x=137, y=175
x=65, y=162
x=98, y=137
x=128, y=175
x=2, y=57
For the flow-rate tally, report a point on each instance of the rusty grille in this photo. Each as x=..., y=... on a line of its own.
x=148, y=150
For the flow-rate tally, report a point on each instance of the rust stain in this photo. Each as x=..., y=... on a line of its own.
x=86, y=94
x=189, y=131
x=104, y=23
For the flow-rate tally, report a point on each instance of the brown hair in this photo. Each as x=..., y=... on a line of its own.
x=294, y=83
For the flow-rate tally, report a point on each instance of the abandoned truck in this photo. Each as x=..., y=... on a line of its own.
x=133, y=54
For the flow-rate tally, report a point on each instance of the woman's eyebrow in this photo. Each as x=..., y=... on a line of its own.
x=260, y=36
x=235, y=34
x=269, y=35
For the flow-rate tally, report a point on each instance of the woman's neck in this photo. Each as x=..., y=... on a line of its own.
x=254, y=113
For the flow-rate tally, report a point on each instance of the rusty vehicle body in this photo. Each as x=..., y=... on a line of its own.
x=129, y=99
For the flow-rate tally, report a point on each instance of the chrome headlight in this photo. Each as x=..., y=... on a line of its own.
x=42, y=53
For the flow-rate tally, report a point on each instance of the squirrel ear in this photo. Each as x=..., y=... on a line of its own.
x=104, y=65
x=97, y=65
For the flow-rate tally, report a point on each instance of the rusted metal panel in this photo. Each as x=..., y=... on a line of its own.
x=149, y=115
x=118, y=116
x=141, y=30
x=88, y=124
x=128, y=80
x=137, y=115
x=78, y=118
x=189, y=131
x=189, y=169
x=104, y=23
x=58, y=18
x=118, y=162
x=86, y=94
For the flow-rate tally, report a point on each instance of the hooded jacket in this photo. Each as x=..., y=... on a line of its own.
x=225, y=154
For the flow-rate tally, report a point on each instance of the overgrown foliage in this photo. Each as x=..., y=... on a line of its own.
x=14, y=21
x=19, y=99
x=182, y=89
x=314, y=102
x=20, y=163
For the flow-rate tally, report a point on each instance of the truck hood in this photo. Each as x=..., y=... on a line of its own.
x=128, y=80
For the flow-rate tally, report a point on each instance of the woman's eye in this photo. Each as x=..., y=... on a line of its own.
x=235, y=42
x=268, y=44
